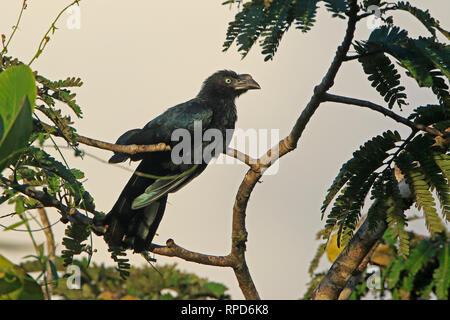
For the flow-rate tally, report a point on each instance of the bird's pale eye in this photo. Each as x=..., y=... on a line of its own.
x=228, y=80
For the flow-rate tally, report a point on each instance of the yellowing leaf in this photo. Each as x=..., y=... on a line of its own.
x=332, y=249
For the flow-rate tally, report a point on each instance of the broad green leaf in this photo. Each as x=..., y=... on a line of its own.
x=16, y=284
x=17, y=97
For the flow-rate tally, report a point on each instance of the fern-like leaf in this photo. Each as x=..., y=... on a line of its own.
x=76, y=234
x=430, y=114
x=423, y=150
x=315, y=261
x=336, y=7
x=419, y=257
x=423, y=16
x=69, y=82
x=395, y=216
x=340, y=180
x=382, y=72
x=278, y=19
x=424, y=200
x=438, y=53
x=122, y=263
x=246, y=28
x=41, y=159
x=305, y=13
x=358, y=176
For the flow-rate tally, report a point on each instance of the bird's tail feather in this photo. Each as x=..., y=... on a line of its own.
x=134, y=229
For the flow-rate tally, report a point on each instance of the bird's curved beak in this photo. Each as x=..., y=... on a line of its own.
x=246, y=82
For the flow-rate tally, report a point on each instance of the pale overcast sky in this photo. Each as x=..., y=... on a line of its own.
x=137, y=58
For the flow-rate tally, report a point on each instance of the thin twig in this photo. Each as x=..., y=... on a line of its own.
x=16, y=26
x=173, y=250
x=367, y=54
x=46, y=38
x=386, y=112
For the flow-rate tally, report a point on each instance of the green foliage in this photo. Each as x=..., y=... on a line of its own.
x=433, y=174
x=424, y=59
x=38, y=169
x=76, y=234
x=58, y=178
x=422, y=160
x=395, y=207
x=425, y=271
x=312, y=285
x=55, y=85
x=423, y=16
x=146, y=283
x=424, y=275
x=354, y=181
x=278, y=18
x=416, y=178
x=17, y=96
x=305, y=14
x=441, y=275
x=319, y=253
x=268, y=21
x=382, y=72
x=245, y=29
x=336, y=7
x=432, y=114
x=424, y=166
x=16, y=284
x=122, y=263
x=54, y=90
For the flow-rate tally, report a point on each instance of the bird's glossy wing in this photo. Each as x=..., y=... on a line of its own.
x=160, y=129
x=182, y=116
x=163, y=186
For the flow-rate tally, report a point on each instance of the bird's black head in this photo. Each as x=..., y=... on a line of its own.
x=227, y=84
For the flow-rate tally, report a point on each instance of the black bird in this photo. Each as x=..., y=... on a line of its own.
x=132, y=222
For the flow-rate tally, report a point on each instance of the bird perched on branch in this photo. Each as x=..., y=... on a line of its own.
x=132, y=222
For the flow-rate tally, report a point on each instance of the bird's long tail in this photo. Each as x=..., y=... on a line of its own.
x=134, y=229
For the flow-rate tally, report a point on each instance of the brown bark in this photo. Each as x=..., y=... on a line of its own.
x=351, y=257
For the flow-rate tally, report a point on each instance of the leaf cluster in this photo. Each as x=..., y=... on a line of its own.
x=162, y=282
x=424, y=275
x=267, y=21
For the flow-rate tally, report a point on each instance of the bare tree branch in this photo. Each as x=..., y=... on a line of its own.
x=386, y=112
x=173, y=250
x=241, y=157
x=129, y=149
x=357, y=274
